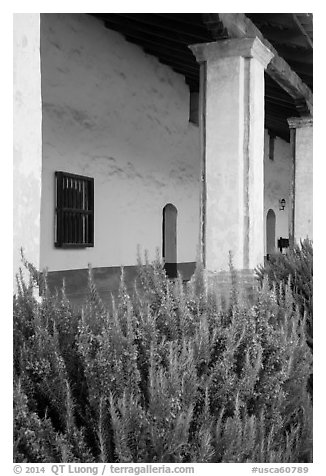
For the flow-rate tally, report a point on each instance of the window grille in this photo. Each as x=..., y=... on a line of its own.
x=74, y=212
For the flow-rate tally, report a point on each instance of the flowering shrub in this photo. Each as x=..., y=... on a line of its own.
x=166, y=374
x=296, y=269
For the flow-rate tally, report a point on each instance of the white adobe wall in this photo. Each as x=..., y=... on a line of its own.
x=277, y=179
x=114, y=113
x=27, y=138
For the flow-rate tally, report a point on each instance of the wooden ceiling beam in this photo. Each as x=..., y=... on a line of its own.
x=303, y=68
x=182, y=66
x=166, y=58
x=275, y=111
x=190, y=19
x=179, y=65
x=272, y=93
x=150, y=41
x=271, y=19
x=129, y=26
x=302, y=30
x=284, y=36
x=239, y=26
x=280, y=110
x=275, y=90
x=180, y=60
x=301, y=55
x=284, y=107
x=174, y=55
x=181, y=70
x=190, y=33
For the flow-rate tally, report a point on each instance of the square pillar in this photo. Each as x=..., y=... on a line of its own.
x=232, y=143
x=301, y=206
x=27, y=163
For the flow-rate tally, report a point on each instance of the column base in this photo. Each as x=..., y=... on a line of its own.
x=222, y=282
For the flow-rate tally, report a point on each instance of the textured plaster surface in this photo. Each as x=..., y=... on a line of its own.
x=234, y=163
x=27, y=160
x=253, y=240
x=114, y=113
x=277, y=182
x=224, y=202
x=303, y=224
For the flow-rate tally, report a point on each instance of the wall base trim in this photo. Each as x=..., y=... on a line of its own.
x=221, y=283
x=107, y=279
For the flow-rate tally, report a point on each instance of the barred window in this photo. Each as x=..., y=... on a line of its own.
x=74, y=211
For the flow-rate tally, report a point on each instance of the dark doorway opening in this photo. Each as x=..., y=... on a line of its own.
x=270, y=232
x=169, y=244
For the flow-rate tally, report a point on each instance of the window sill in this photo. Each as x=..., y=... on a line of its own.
x=74, y=245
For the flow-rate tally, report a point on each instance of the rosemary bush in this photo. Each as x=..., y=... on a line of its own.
x=296, y=269
x=167, y=374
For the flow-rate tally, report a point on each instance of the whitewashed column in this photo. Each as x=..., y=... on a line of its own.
x=232, y=129
x=301, y=220
x=27, y=166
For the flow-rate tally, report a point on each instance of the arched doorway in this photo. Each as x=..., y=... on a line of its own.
x=270, y=232
x=169, y=239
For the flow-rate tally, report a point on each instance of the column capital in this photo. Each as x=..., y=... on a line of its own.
x=245, y=47
x=299, y=122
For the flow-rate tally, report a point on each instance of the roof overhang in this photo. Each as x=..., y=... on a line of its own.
x=288, y=77
x=238, y=25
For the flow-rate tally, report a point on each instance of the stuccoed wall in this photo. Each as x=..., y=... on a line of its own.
x=114, y=113
x=27, y=159
x=277, y=179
